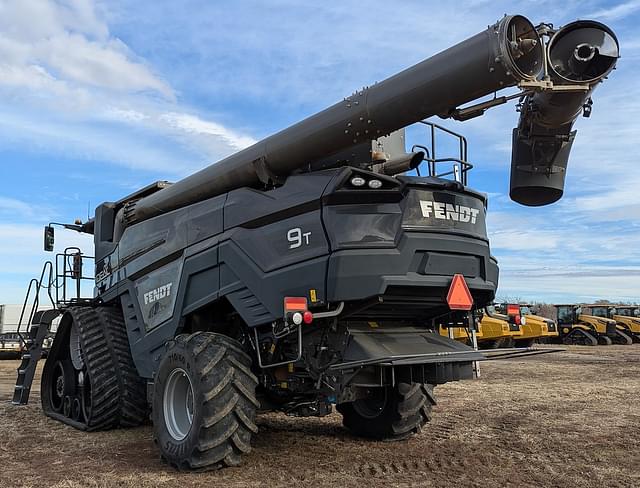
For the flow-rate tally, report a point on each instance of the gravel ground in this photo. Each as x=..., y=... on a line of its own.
x=562, y=419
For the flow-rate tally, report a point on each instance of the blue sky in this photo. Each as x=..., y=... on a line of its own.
x=100, y=98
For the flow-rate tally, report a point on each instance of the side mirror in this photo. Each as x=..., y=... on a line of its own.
x=49, y=238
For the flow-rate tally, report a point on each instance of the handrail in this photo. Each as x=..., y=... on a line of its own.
x=69, y=270
x=35, y=284
x=432, y=160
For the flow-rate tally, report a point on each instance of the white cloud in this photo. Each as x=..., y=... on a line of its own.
x=11, y=208
x=67, y=43
x=63, y=74
x=615, y=12
x=195, y=125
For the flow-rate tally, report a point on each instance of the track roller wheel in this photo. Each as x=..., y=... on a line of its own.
x=58, y=384
x=204, y=403
x=390, y=413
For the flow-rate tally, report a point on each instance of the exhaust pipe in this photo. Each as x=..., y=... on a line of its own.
x=400, y=164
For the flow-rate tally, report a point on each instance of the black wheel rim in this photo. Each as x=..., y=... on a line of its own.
x=57, y=387
x=372, y=407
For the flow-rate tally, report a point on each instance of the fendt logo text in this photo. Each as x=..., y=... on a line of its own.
x=448, y=211
x=158, y=294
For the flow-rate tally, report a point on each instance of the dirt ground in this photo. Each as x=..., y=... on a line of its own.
x=562, y=419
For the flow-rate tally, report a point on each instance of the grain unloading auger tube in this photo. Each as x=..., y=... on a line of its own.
x=557, y=80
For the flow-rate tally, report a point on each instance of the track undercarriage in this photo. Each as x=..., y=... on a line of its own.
x=89, y=380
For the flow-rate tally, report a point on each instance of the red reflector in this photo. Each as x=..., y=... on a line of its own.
x=459, y=296
x=517, y=319
x=513, y=309
x=292, y=304
x=307, y=317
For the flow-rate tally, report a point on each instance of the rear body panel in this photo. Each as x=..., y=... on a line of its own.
x=389, y=253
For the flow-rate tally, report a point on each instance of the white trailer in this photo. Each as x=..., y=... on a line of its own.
x=10, y=344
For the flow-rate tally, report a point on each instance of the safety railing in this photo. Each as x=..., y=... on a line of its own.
x=460, y=166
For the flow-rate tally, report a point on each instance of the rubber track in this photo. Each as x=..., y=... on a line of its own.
x=230, y=404
x=588, y=338
x=118, y=394
x=622, y=338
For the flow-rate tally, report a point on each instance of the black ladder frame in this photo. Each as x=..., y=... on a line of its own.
x=34, y=325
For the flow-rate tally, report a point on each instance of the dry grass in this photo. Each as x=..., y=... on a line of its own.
x=567, y=419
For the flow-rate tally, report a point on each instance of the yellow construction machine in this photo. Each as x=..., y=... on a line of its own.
x=627, y=316
x=536, y=328
x=494, y=330
x=588, y=326
x=599, y=312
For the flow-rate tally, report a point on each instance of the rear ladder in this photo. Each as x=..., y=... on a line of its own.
x=36, y=324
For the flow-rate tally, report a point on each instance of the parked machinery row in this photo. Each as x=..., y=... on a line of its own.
x=603, y=324
x=508, y=325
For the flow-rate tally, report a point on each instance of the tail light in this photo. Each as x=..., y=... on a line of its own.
x=296, y=311
x=513, y=312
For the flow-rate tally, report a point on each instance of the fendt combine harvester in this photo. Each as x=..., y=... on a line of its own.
x=307, y=270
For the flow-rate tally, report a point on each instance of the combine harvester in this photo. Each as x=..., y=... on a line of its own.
x=497, y=330
x=307, y=270
x=535, y=328
x=493, y=330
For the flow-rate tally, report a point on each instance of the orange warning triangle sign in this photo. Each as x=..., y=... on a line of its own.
x=459, y=296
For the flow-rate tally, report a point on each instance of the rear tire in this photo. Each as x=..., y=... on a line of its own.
x=525, y=343
x=204, y=403
x=395, y=414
